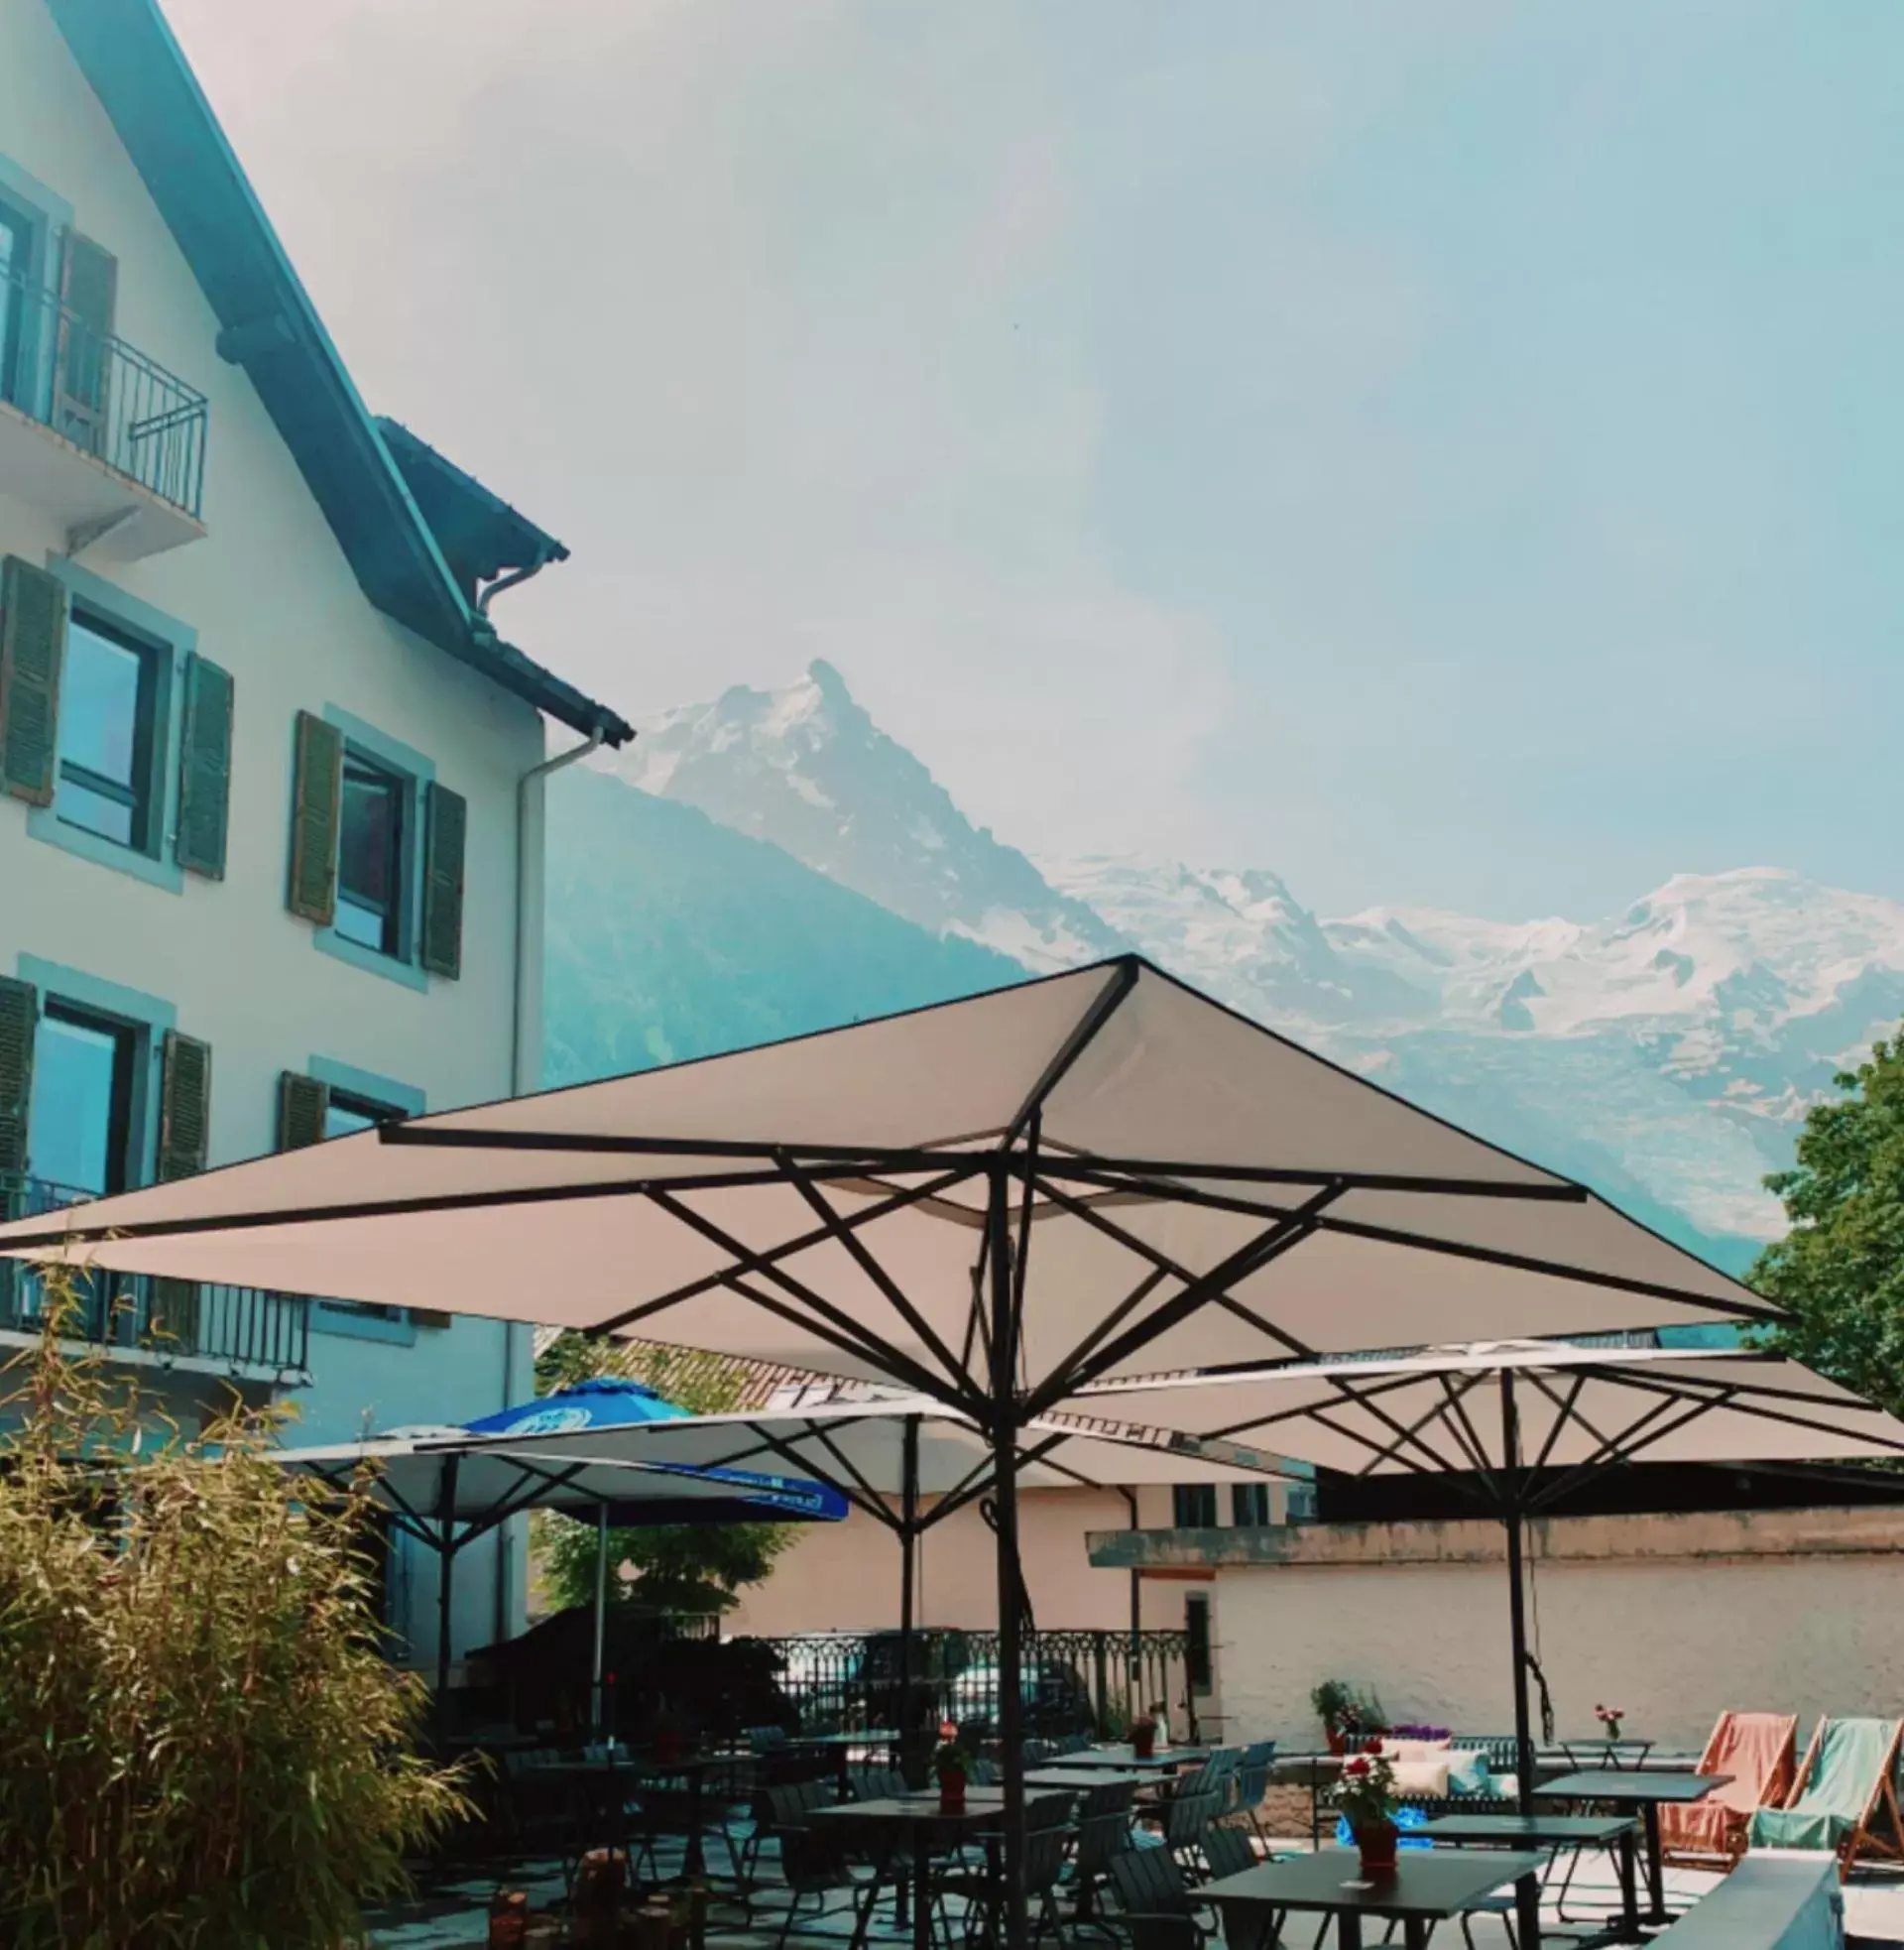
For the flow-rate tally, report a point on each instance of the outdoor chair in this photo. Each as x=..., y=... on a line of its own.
x=1227, y=1852
x=1250, y=1784
x=1149, y=1885
x=1108, y=1798
x=814, y=1861
x=982, y=1771
x=1761, y=1752
x=1843, y=1786
x=780, y=1811
x=1186, y=1817
x=1037, y=1752
x=1046, y=1843
x=877, y=1784
x=1100, y=1838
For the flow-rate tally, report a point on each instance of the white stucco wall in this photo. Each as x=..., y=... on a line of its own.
x=1676, y=1619
x=273, y=599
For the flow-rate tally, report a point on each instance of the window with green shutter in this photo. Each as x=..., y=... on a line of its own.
x=316, y=797
x=184, y=1106
x=204, y=770
x=446, y=828
x=32, y=643
x=19, y=1019
x=303, y=1109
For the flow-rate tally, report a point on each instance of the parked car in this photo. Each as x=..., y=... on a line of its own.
x=1054, y=1699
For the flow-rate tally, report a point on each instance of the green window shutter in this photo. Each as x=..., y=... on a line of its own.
x=33, y=646
x=184, y=1106
x=316, y=797
x=204, y=770
x=445, y=825
x=88, y=295
x=302, y=1105
x=19, y=1017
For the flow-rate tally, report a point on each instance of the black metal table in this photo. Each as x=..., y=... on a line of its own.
x=1126, y=1758
x=1061, y=1774
x=1645, y=1790
x=920, y=1820
x=640, y=1770
x=1605, y=1751
x=1615, y=1832
x=1425, y=1888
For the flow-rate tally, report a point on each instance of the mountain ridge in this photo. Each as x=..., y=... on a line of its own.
x=1665, y=1054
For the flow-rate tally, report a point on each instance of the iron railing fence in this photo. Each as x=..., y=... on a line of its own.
x=1082, y=1680
x=101, y=394
x=135, y=1310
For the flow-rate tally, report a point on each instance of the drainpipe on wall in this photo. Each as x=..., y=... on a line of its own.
x=1132, y=1681
x=518, y=1335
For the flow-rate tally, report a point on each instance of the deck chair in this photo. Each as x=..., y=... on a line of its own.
x=1760, y=1752
x=1844, y=1798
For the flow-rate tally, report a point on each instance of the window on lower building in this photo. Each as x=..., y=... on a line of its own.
x=108, y=698
x=1194, y=1506
x=16, y=256
x=371, y=851
x=1250, y=1502
x=1196, y=1633
x=344, y=1113
x=80, y=1124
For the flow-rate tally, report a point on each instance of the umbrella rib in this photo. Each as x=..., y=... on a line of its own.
x=862, y=1257
x=1023, y=1261
x=747, y=1260
x=1544, y=1385
x=1103, y=1006
x=1456, y=1249
x=1735, y=1396
x=787, y=1249
x=1625, y=1447
x=1564, y=1412
x=1250, y=1258
x=1465, y=1432
x=1404, y=1433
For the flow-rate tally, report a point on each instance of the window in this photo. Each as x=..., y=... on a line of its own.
x=371, y=849
x=107, y=700
x=15, y=254
x=344, y=1113
x=1194, y=1506
x=81, y=1121
x=1196, y=1633
x=1250, y=1502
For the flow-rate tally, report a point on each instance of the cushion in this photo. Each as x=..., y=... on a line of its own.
x=1413, y=1749
x=1467, y=1771
x=1424, y=1777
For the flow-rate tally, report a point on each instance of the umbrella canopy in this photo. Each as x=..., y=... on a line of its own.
x=1576, y=1407
x=1125, y=1150
x=477, y=1481
x=600, y=1402
x=1530, y=1421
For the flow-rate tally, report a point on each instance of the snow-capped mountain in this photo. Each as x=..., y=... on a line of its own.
x=1665, y=1055
x=807, y=769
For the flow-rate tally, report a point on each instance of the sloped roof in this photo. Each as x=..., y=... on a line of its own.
x=271, y=329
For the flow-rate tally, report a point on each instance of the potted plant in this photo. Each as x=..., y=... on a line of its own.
x=1334, y=1702
x=952, y=1767
x=1144, y=1731
x=1366, y=1795
x=1610, y=1718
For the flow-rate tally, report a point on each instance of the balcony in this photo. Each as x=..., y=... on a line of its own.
x=94, y=433
x=232, y=1330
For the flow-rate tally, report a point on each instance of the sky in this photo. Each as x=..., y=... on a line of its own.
x=1449, y=454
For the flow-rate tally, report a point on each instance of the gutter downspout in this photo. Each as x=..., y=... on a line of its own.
x=1133, y=1660
x=518, y=1336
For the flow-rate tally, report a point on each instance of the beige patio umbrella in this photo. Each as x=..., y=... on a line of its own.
x=994, y=1202
x=1527, y=1421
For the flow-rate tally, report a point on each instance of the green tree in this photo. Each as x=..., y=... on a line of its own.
x=677, y=1567
x=1840, y=1270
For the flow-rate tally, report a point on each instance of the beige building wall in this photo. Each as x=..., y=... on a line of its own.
x=845, y=1577
x=1673, y=1618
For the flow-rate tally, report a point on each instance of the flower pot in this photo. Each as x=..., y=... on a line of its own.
x=1377, y=1843
x=951, y=1793
x=1144, y=1742
x=1338, y=1740
x=670, y=1745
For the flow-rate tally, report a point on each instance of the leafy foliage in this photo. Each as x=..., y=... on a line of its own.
x=1839, y=1270
x=677, y=1567
x=202, y=1746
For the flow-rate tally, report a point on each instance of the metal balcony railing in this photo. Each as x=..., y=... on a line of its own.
x=101, y=394
x=241, y=1325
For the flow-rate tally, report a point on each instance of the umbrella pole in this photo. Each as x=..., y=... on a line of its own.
x=597, y=1715
x=447, y=1512
x=909, y=1549
x=1005, y=1481
x=1512, y=1516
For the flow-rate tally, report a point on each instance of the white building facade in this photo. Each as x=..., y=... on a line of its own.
x=269, y=844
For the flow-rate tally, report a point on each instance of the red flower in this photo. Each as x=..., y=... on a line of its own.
x=1357, y=1767
x=947, y=1730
